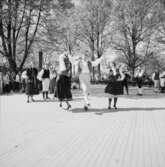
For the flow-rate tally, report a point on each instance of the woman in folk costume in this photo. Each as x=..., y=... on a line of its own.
x=63, y=85
x=85, y=68
x=115, y=85
x=156, y=80
x=139, y=73
x=31, y=82
x=53, y=76
x=162, y=82
x=6, y=82
x=45, y=78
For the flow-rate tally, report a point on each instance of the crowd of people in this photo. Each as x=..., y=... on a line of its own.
x=31, y=81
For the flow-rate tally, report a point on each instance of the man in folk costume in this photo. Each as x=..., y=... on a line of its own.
x=85, y=69
x=45, y=76
x=139, y=80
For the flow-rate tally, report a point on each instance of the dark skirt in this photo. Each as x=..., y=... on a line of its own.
x=63, y=90
x=29, y=87
x=114, y=88
x=32, y=88
x=6, y=88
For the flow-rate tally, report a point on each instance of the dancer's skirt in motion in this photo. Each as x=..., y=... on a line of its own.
x=63, y=89
x=114, y=88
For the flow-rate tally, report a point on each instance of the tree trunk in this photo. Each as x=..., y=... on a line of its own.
x=12, y=64
x=92, y=51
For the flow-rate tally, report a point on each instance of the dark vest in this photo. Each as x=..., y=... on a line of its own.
x=46, y=74
x=156, y=76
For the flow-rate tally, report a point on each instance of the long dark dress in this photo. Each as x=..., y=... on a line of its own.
x=32, y=82
x=63, y=84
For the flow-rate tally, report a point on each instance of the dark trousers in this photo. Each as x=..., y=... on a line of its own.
x=125, y=85
x=139, y=82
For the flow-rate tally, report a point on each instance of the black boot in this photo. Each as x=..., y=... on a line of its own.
x=46, y=95
x=43, y=93
x=28, y=99
x=109, y=100
x=115, y=102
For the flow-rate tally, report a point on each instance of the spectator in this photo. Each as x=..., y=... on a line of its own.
x=156, y=80
x=18, y=82
x=53, y=76
x=6, y=83
x=23, y=81
x=139, y=74
x=162, y=82
x=1, y=82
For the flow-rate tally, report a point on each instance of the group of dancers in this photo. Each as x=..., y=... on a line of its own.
x=116, y=81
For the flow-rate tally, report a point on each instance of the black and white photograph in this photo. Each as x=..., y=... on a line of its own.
x=82, y=83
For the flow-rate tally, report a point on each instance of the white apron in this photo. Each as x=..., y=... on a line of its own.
x=45, y=84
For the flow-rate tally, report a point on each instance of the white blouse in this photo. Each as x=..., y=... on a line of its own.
x=62, y=66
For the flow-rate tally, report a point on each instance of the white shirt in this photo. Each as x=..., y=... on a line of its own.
x=62, y=66
x=85, y=68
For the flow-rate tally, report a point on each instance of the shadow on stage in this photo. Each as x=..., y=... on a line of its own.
x=54, y=100
x=102, y=111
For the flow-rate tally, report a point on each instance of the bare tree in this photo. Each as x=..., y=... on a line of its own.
x=19, y=23
x=136, y=20
x=95, y=19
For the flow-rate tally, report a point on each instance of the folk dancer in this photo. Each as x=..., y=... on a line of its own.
x=63, y=85
x=85, y=68
x=115, y=86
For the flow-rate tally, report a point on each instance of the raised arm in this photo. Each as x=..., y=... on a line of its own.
x=96, y=62
x=121, y=73
x=71, y=59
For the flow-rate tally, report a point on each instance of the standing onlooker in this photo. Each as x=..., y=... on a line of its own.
x=12, y=81
x=156, y=80
x=18, y=82
x=6, y=82
x=53, y=76
x=125, y=81
x=139, y=73
x=162, y=81
x=1, y=82
x=31, y=83
x=23, y=81
x=45, y=77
